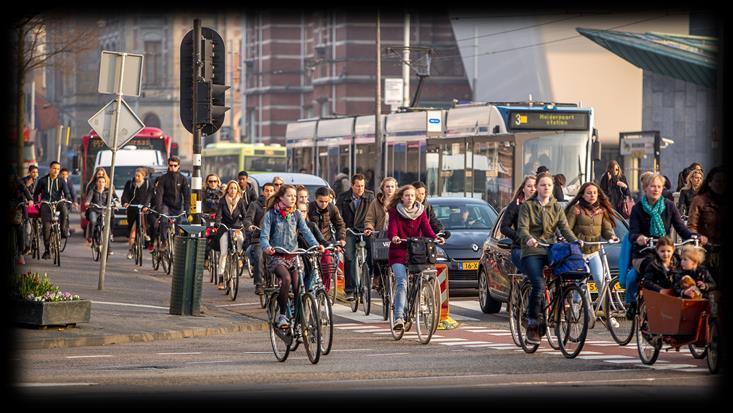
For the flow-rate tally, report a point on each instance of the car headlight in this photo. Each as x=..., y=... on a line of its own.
x=440, y=254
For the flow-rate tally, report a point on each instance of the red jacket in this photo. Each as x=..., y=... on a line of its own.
x=405, y=228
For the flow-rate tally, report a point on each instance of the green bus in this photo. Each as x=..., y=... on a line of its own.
x=226, y=159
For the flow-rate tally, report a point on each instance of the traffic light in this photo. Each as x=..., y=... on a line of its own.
x=210, y=105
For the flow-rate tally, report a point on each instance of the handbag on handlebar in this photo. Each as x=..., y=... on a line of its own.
x=421, y=254
x=565, y=257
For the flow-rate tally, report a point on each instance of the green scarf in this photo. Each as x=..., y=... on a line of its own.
x=656, y=227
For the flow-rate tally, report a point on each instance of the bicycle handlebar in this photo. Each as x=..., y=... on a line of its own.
x=168, y=216
x=225, y=226
x=601, y=242
x=297, y=251
x=56, y=202
x=355, y=233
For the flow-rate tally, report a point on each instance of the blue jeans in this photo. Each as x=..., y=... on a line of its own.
x=533, y=266
x=400, y=275
x=517, y=258
x=596, y=268
x=632, y=287
x=254, y=253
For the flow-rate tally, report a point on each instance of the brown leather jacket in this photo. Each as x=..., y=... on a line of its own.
x=705, y=217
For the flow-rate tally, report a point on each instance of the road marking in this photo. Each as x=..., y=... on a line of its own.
x=604, y=356
x=357, y=327
x=93, y=356
x=370, y=330
x=178, y=354
x=131, y=305
x=386, y=354
x=460, y=343
x=488, y=331
x=630, y=361
x=468, y=305
x=501, y=334
x=599, y=342
x=668, y=366
x=449, y=339
x=480, y=345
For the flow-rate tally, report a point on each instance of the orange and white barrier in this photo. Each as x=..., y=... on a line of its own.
x=445, y=322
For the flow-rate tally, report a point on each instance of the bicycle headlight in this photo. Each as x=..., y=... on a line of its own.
x=441, y=256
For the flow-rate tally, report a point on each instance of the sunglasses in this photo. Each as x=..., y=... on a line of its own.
x=172, y=165
x=213, y=182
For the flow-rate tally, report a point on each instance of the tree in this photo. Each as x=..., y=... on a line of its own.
x=33, y=49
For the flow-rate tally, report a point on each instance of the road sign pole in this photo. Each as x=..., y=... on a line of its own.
x=108, y=216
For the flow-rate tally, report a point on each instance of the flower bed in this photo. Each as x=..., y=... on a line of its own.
x=40, y=303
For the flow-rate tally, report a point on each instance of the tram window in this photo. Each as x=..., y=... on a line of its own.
x=264, y=164
x=559, y=153
x=365, y=160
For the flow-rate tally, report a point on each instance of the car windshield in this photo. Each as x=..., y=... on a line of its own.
x=465, y=216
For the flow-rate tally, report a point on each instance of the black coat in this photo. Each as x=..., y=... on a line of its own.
x=640, y=224
x=134, y=195
x=325, y=219
x=169, y=189
x=654, y=276
x=51, y=189
x=614, y=192
x=435, y=223
x=235, y=219
x=255, y=213
x=700, y=274
x=354, y=218
x=509, y=223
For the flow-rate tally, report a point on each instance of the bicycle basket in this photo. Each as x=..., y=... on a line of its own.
x=565, y=257
x=380, y=249
x=421, y=252
x=329, y=263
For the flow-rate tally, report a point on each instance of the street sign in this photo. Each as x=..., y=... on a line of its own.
x=643, y=145
x=435, y=123
x=393, y=90
x=103, y=122
x=110, y=69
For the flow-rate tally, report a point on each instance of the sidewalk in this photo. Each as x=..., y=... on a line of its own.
x=133, y=306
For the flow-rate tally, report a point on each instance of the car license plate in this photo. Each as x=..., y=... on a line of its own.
x=592, y=287
x=473, y=265
x=123, y=222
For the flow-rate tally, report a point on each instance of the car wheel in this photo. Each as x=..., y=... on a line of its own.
x=488, y=304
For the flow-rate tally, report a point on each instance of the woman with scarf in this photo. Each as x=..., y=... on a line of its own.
x=407, y=219
x=231, y=213
x=590, y=217
x=376, y=219
x=509, y=221
x=705, y=216
x=281, y=225
x=138, y=191
x=653, y=216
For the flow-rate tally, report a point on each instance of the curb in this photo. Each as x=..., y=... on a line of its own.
x=103, y=340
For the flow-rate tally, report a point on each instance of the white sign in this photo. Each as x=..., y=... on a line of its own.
x=110, y=69
x=393, y=90
x=638, y=145
x=103, y=122
x=435, y=123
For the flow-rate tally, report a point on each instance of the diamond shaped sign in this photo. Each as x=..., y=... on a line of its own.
x=103, y=122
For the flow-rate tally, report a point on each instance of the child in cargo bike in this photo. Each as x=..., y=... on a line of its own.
x=693, y=280
x=658, y=269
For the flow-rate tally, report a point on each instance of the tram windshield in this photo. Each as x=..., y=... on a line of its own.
x=561, y=154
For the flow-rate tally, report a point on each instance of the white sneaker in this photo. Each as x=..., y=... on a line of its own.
x=129, y=254
x=399, y=324
x=282, y=322
x=614, y=323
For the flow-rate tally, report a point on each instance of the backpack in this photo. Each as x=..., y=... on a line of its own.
x=566, y=257
x=420, y=254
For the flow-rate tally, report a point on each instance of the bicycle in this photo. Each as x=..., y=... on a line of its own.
x=516, y=307
x=303, y=326
x=232, y=269
x=97, y=234
x=363, y=285
x=163, y=254
x=55, y=236
x=609, y=306
x=380, y=256
x=35, y=236
x=420, y=304
x=139, y=245
x=323, y=302
x=212, y=263
x=561, y=311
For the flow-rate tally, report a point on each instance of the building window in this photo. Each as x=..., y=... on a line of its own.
x=153, y=63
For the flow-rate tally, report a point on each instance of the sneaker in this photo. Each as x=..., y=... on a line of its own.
x=147, y=238
x=46, y=255
x=614, y=323
x=349, y=296
x=399, y=324
x=259, y=290
x=282, y=322
x=129, y=254
x=631, y=311
x=533, y=334
x=221, y=285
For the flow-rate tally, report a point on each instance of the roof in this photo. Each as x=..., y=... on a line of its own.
x=689, y=58
x=289, y=178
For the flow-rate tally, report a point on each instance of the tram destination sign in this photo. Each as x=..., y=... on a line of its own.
x=556, y=120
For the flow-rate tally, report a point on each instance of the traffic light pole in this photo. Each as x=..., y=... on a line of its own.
x=196, y=193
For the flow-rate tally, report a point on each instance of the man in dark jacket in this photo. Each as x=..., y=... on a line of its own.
x=327, y=217
x=252, y=219
x=353, y=205
x=52, y=188
x=421, y=196
x=248, y=192
x=172, y=195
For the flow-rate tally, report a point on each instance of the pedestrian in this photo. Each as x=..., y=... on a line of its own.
x=407, y=219
x=376, y=218
x=328, y=219
x=691, y=188
x=341, y=181
x=252, y=221
x=280, y=227
x=231, y=213
x=615, y=186
x=590, y=217
x=558, y=190
x=138, y=191
x=508, y=226
x=539, y=219
x=353, y=205
x=682, y=177
x=706, y=216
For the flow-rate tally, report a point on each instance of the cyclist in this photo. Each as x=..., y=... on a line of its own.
x=231, y=213
x=213, y=192
x=172, y=196
x=376, y=217
x=688, y=192
x=30, y=180
x=407, y=219
x=98, y=195
x=280, y=227
x=302, y=194
x=652, y=216
x=21, y=194
x=706, y=215
x=278, y=182
x=328, y=219
x=353, y=205
x=52, y=188
x=93, y=181
x=65, y=176
x=539, y=218
x=421, y=196
x=138, y=191
x=248, y=192
x=302, y=243
x=590, y=217
x=252, y=220
x=508, y=225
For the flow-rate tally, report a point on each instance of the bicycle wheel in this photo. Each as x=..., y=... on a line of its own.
x=214, y=265
x=35, y=240
x=572, y=321
x=63, y=244
x=425, y=317
x=396, y=334
x=279, y=339
x=325, y=316
x=96, y=252
x=621, y=328
x=234, y=275
x=713, y=354
x=366, y=289
x=524, y=317
x=513, y=308
x=311, y=328
x=55, y=247
x=698, y=353
x=156, y=257
x=386, y=292
x=550, y=333
x=647, y=343
x=357, y=294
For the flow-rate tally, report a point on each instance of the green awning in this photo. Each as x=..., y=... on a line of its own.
x=689, y=58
